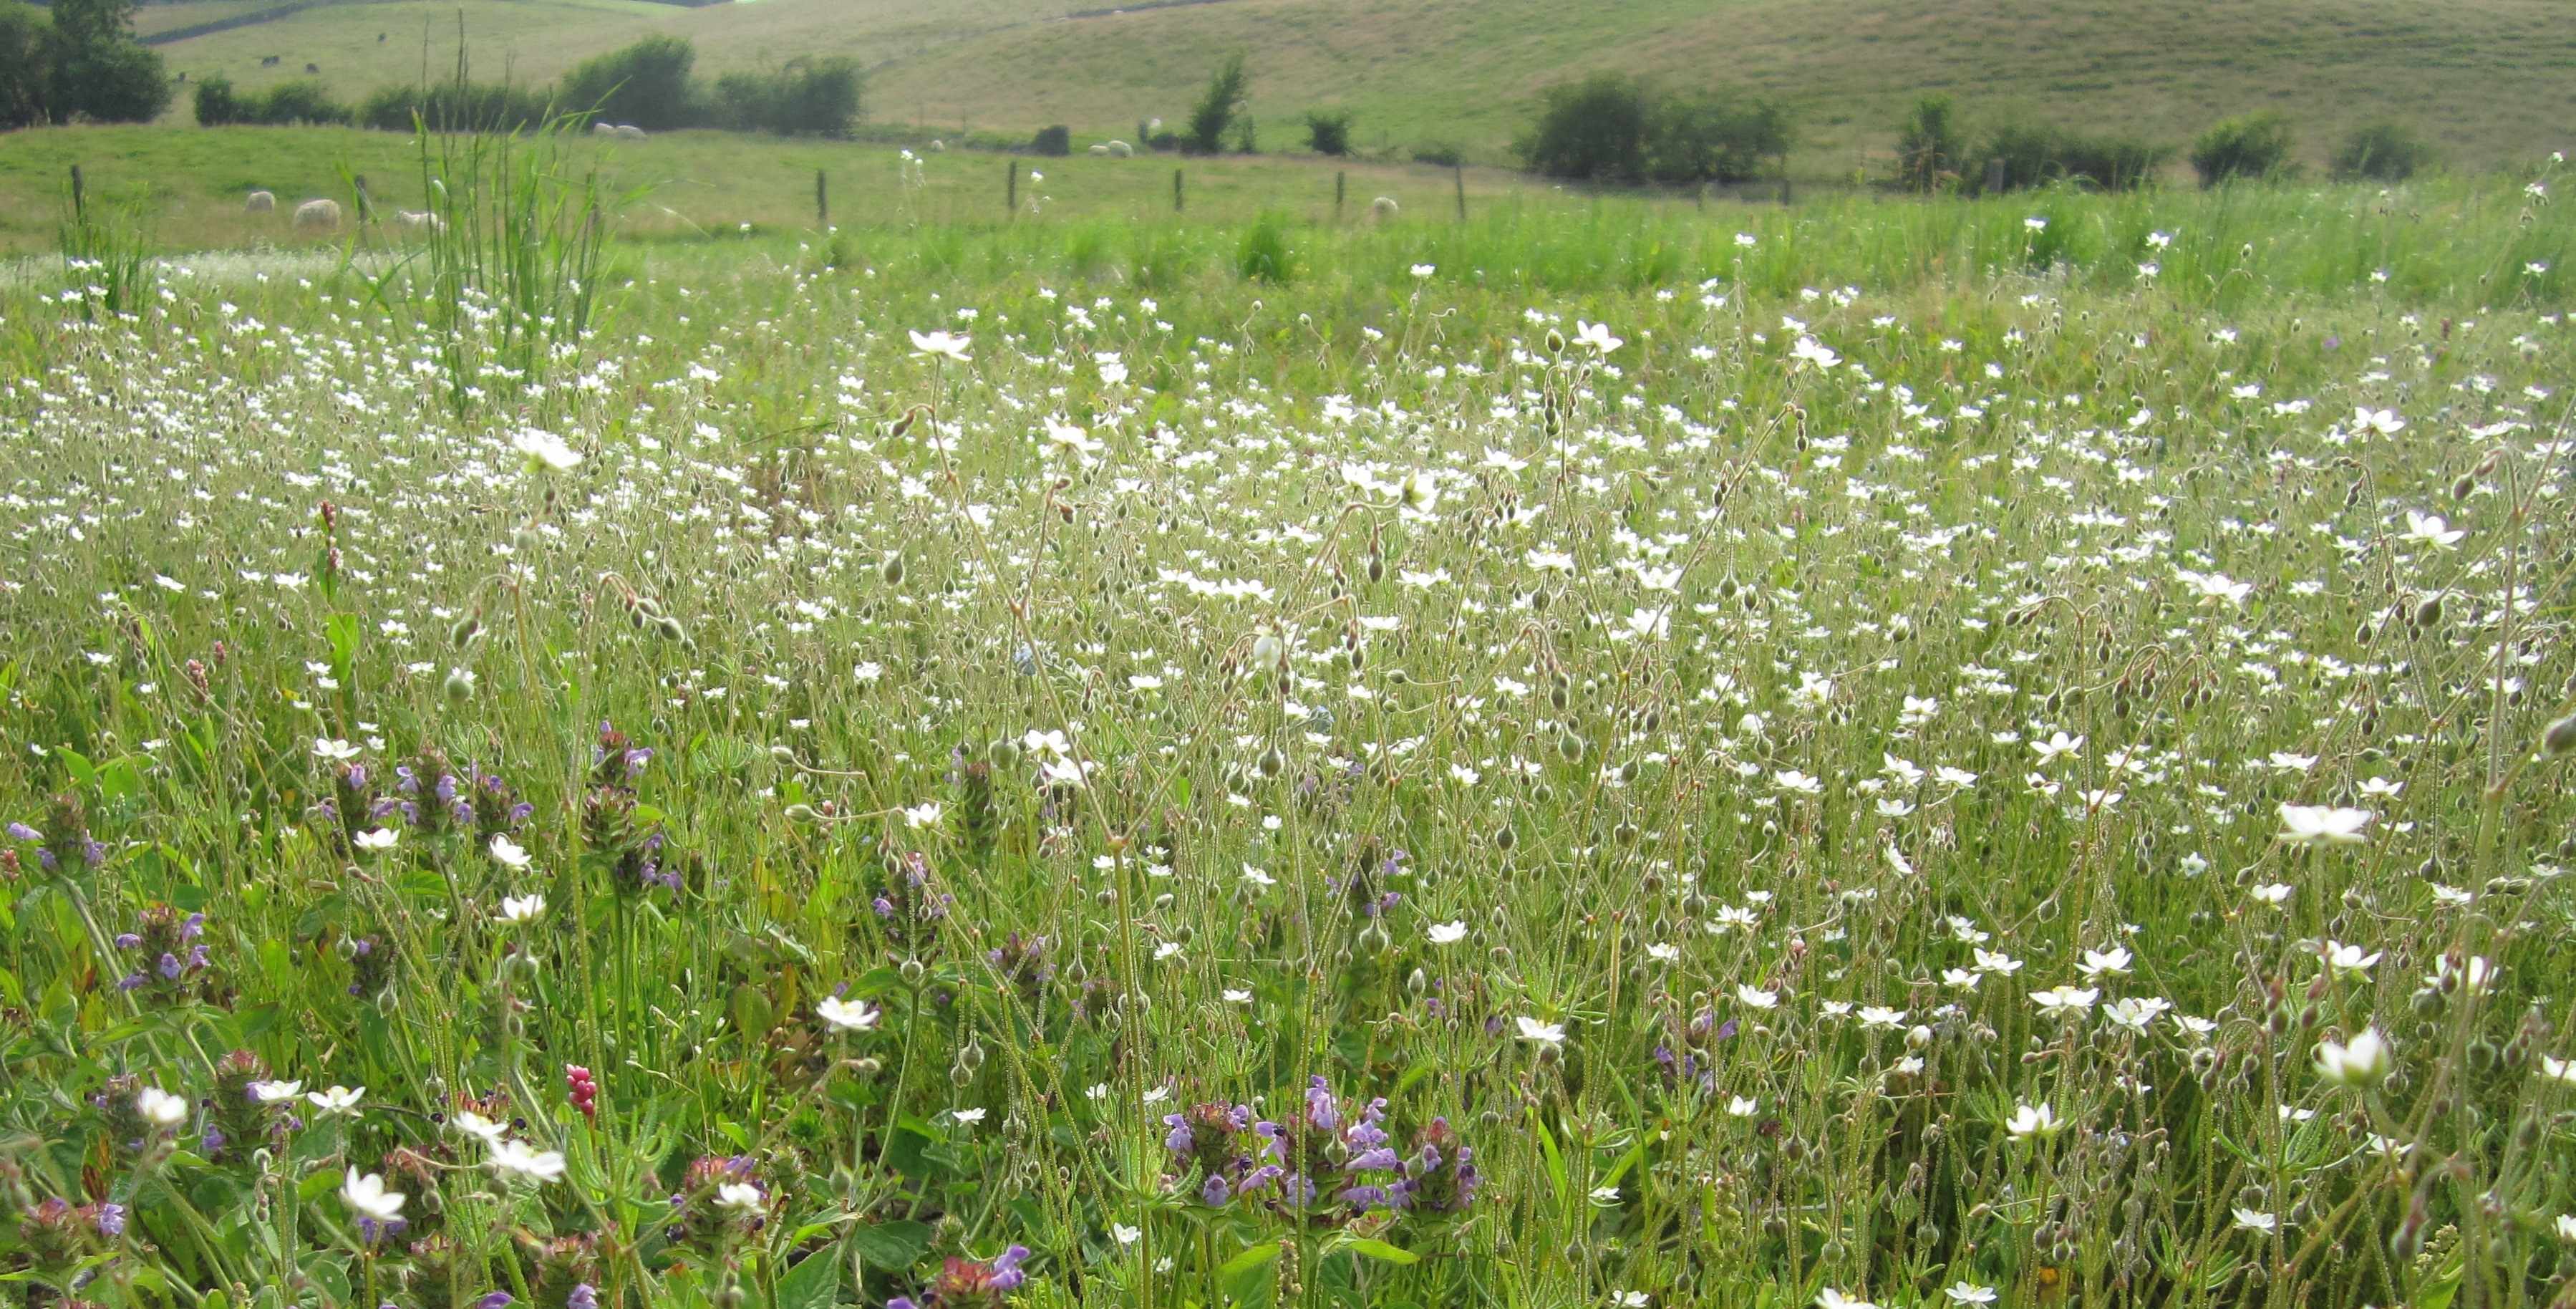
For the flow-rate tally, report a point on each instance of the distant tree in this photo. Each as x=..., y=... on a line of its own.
x=1929, y=149
x=1713, y=138
x=1056, y=140
x=808, y=97
x=96, y=69
x=2381, y=152
x=1217, y=109
x=26, y=64
x=1328, y=132
x=2039, y=156
x=216, y=104
x=1592, y=131
x=647, y=84
x=2255, y=145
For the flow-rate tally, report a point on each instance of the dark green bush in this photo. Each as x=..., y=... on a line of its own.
x=26, y=39
x=457, y=107
x=1217, y=110
x=2042, y=156
x=1056, y=140
x=1713, y=138
x=1263, y=256
x=1328, y=132
x=1930, y=150
x=1439, y=152
x=807, y=97
x=1613, y=128
x=291, y=102
x=2255, y=145
x=2381, y=152
x=216, y=103
x=1592, y=131
x=646, y=84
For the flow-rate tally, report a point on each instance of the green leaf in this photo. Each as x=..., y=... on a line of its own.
x=1249, y=1278
x=1377, y=1249
x=1549, y=1156
x=813, y=1284
x=899, y=1244
x=1249, y=1258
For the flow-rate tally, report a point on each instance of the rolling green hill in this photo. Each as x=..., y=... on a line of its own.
x=2490, y=81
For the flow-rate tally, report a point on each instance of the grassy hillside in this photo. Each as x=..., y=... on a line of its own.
x=2490, y=80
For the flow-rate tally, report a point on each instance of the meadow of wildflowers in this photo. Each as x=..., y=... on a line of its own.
x=909, y=770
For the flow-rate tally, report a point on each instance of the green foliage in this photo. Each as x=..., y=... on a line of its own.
x=1930, y=149
x=1713, y=138
x=1592, y=131
x=1052, y=141
x=1214, y=115
x=26, y=36
x=2253, y=146
x=807, y=97
x=303, y=101
x=1442, y=153
x=646, y=84
x=2045, y=156
x=107, y=253
x=1263, y=255
x=2381, y=152
x=1613, y=128
x=1328, y=132
x=457, y=107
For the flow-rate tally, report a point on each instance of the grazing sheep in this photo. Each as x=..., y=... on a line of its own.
x=629, y=132
x=1100, y=150
x=320, y=214
x=313, y=68
x=380, y=38
x=603, y=129
x=1383, y=208
x=419, y=220
x=260, y=202
x=938, y=147
x=1119, y=150
x=268, y=61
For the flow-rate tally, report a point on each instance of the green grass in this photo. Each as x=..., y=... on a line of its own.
x=2486, y=80
x=1682, y=717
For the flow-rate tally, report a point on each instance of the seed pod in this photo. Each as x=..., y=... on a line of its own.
x=892, y=569
x=2560, y=739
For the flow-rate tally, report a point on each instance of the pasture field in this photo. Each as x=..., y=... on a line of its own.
x=2486, y=81
x=1609, y=754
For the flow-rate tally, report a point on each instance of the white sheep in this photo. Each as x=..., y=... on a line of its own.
x=1383, y=208
x=1101, y=150
x=1119, y=150
x=260, y=202
x=322, y=214
x=603, y=129
x=420, y=220
x=629, y=132
x=938, y=147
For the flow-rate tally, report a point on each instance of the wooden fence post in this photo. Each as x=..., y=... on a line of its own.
x=80, y=198
x=1994, y=175
x=1176, y=190
x=1459, y=172
x=1341, y=180
x=1011, y=190
x=822, y=203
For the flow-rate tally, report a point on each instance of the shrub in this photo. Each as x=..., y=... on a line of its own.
x=1612, y=128
x=2040, y=156
x=2255, y=145
x=1712, y=138
x=647, y=84
x=1929, y=150
x=1328, y=132
x=457, y=107
x=1592, y=131
x=1056, y=140
x=216, y=103
x=2381, y=152
x=290, y=102
x=808, y=97
x=114, y=81
x=1216, y=110
x=1164, y=141
x=1439, y=152
x=26, y=35
x=1263, y=256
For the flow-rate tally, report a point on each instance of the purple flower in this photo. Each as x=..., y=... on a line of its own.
x=110, y=1219
x=1214, y=1193
x=22, y=832
x=582, y=1296
x=496, y=1300
x=1006, y=1269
